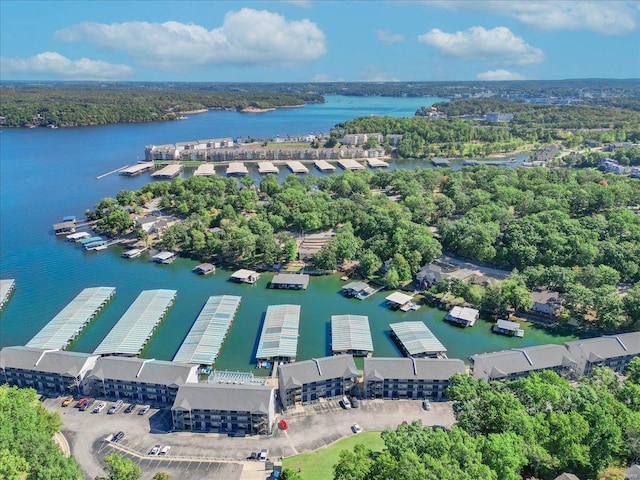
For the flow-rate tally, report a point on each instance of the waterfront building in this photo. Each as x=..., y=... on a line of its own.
x=205, y=269
x=134, y=329
x=351, y=334
x=64, y=228
x=139, y=380
x=613, y=351
x=164, y=257
x=308, y=381
x=463, y=316
x=204, y=340
x=47, y=371
x=415, y=340
x=546, y=303
x=519, y=362
x=232, y=409
x=290, y=281
x=244, y=276
x=402, y=301
x=279, y=336
x=65, y=327
x=7, y=287
x=413, y=378
x=506, y=327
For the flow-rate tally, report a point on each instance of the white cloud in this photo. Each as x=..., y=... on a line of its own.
x=246, y=37
x=388, y=37
x=54, y=65
x=374, y=74
x=300, y=3
x=607, y=17
x=500, y=74
x=497, y=46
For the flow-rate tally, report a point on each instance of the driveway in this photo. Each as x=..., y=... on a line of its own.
x=216, y=456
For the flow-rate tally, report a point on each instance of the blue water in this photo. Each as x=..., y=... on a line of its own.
x=46, y=174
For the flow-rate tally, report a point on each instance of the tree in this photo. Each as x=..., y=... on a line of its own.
x=12, y=467
x=120, y=468
x=353, y=465
x=370, y=263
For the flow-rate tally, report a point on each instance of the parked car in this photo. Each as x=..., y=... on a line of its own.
x=82, y=401
x=144, y=409
x=67, y=401
x=264, y=454
x=117, y=437
x=88, y=404
x=355, y=402
x=345, y=402
x=130, y=408
x=426, y=405
x=99, y=407
x=356, y=428
x=253, y=456
x=155, y=450
x=165, y=450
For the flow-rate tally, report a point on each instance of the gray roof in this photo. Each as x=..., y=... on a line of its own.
x=412, y=368
x=602, y=348
x=299, y=373
x=72, y=319
x=42, y=360
x=518, y=360
x=205, y=338
x=128, y=369
x=507, y=325
x=350, y=332
x=240, y=398
x=566, y=476
x=632, y=473
x=417, y=338
x=279, y=336
x=355, y=286
x=399, y=298
x=291, y=279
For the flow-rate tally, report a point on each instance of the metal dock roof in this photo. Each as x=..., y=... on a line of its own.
x=324, y=166
x=136, y=326
x=205, y=338
x=297, y=167
x=349, y=164
x=350, y=332
x=205, y=170
x=237, y=168
x=267, y=167
x=169, y=171
x=279, y=337
x=416, y=338
x=72, y=319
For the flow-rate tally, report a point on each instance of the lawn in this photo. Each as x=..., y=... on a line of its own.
x=318, y=465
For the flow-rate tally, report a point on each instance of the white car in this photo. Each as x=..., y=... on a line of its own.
x=144, y=409
x=165, y=450
x=99, y=407
x=356, y=428
x=155, y=450
x=345, y=402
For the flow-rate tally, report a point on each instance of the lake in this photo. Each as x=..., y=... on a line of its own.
x=50, y=173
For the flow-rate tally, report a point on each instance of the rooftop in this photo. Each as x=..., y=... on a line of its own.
x=279, y=336
x=129, y=369
x=602, y=348
x=415, y=368
x=44, y=360
x=291, y=279
x=241, y=398
x=417, y=338
x=205, y=170
x=350, y=332
x=299, y=373
x=399, y=298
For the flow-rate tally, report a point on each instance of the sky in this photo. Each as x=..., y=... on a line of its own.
x=318, y=40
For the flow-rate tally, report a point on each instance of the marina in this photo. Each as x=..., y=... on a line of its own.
x=135, y=328
x=209, y=331
x=377, y=163
x=351, y=334
x=7, y=287
x=348, y=164
x=324, y=166
x=297, y=167
x=205, y=170
x=167, y=173
x=416, y=340
x=136, y=169
x=65, y=327
x=279, y=336
x=267, y=167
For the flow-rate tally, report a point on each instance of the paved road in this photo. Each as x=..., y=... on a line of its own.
x=196, y=456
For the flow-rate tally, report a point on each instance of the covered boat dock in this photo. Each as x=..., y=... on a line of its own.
x=74, y=237
x=297, y=167
x=463, y=316
x=207, y=334
x=351, y=334
x=132, y=332
x=164, y=257
x=505, y=327
x=324, y=166
x=137, y=169
x=290, y=281
x=244, y=276
x=279, y=336
x=205, y=269
x=237, y=169
x=416, y=340
x=168, y=172
x=359, y=290
x=267, y=167
x=402, y=301
x=205, y=170
x=377, y=163
x=64, y=228
x=72, y=319
x=348, y=164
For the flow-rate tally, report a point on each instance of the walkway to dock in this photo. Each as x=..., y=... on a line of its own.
x=112, y=171
x=7, y=286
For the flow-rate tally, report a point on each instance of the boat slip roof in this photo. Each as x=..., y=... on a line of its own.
x=348, y=164
x=136, y=326
x=324, y=165
x=374, y=162
x=137, y=168
x=267, y=167
x=68, y=324
x=205, y=170
x=205, y=338
x=399, y=298
x=168, y=171
x=279, y=337
x=417, y=338
x=350, y=332
x=297, y=167
x=236, y=168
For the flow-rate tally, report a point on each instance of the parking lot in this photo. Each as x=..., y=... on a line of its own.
x=207, y=455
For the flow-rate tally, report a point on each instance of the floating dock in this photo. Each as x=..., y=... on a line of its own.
x=279, y=336
x=416, y=340
x=376, y=163
x=207, y=334
x=97, y=245
x=137, y=169
x=72, y=319
x=237, y=169
x=505, y=327
x=440, y=162
x=64, y=228
x=205, y=170
x=267, y=167
x=135, y=328
x=351, y=334
x=75, y=237
x=297, y=167
x=244, y=276
x=164, y=257
x=167, y=173
x=401, y=301
x=205, y=269
x=348, y=164
x=7, y=287
x=324, y=166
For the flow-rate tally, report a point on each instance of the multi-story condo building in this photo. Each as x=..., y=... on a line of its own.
x=412, y=378
x=310, y=380
x=614, y=351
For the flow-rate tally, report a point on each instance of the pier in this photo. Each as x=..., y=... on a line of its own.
x=72, y=319
x=7, y=286
x=111, y=172
x=279, y=336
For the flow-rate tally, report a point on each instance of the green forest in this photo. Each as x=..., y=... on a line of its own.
x=538, y=426
x=575, y=231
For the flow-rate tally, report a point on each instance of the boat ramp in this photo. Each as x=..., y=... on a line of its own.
x=204, y=340
x=279, y=336
x=72, y=319
x=415, y=340
x=351, y=334
x=134, y=329
x=7, y=287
